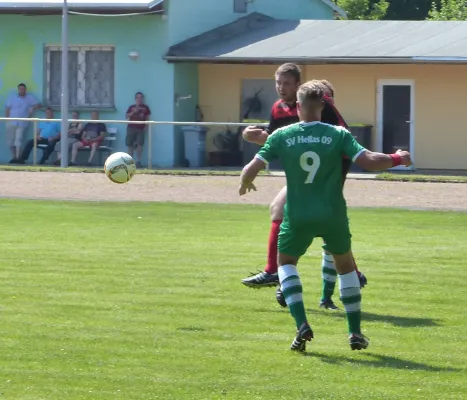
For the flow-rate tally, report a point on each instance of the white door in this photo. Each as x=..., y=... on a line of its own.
x=395, y=117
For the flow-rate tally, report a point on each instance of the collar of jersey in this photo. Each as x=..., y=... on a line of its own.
x=310, y=123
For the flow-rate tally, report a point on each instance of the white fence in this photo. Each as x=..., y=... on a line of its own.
x=150, y=124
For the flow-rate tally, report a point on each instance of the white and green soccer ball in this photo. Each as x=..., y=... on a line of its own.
x=120, y=167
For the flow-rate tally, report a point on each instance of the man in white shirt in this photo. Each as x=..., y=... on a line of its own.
x=20, y=105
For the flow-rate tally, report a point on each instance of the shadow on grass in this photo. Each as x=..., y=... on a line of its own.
x=272, y=309
x=380, y=361
x=403, y=322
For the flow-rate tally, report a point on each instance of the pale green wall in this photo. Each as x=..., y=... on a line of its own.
x=191, y=18
x=185, y=83
x=22, y=40
x=293, y=9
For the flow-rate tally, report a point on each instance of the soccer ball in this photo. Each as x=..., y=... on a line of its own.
x=120, y=167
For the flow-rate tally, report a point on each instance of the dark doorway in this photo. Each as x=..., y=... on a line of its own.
x=396, y=117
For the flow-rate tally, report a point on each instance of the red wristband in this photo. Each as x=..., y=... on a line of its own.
x=396, y=159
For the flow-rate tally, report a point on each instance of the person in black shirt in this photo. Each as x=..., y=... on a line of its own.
x=284, y=112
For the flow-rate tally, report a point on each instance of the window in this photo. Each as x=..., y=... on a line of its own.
x=240, y=6
x=90, y=76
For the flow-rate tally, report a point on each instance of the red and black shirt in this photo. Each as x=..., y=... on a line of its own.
x=142, y=114
x=331, y=115
x=283, y=114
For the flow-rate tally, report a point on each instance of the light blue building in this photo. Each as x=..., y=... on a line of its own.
x=113, y=56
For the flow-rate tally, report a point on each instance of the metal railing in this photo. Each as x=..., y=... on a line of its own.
x=150, y=124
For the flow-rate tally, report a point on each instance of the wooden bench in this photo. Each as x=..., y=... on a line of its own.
x=105, y=147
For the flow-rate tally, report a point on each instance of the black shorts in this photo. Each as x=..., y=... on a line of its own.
x=346, y=164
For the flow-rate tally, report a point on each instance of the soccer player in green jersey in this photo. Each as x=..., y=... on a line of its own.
x=311, y=153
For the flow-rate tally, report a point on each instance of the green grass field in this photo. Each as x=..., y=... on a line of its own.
x=144, y=301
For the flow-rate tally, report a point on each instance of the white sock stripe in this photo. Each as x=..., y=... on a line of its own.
x=350, y=292
x=291, y=283
x=295, y=298
x=349, y=280
x=328, y=258
x=354, y=307
x=329, y=278
x=325, y=264
x=286, y=271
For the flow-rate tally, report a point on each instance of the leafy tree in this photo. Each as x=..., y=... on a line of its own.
x=408, y=10
x=364, y=9
x=448, y=10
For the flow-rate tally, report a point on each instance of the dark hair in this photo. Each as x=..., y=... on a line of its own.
x=290, y=69
x=22, y=84
x=329, y=86
x=49, y=109
x=139, y=93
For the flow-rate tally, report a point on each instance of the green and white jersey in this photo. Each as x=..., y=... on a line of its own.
x=311, y=154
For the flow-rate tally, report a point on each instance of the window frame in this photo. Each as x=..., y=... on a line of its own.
x=81, y=50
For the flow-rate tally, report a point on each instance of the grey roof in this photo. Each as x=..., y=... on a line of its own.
x=259, y=38
x=53, y=6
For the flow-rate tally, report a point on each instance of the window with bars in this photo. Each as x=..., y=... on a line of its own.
x=90, y=76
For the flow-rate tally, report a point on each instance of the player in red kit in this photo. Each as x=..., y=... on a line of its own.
x=284, y=112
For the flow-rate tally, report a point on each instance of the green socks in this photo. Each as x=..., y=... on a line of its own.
x=329, y=274
x=291, y=287
x=351, y=297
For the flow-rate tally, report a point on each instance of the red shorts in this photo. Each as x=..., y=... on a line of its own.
x=89, y=142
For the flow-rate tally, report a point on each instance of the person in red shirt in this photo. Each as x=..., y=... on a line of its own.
x=284, y=112
x=135, y=132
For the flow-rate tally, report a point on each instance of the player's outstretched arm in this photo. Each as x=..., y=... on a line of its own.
x=255, y=135
x=249, y=173
x=373, y=161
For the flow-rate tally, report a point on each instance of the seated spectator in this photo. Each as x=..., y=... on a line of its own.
x=75, y=131
x=48, y=133
x=93, y=135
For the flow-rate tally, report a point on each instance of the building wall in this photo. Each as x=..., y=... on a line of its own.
x=440, y=140
x=221, y=89
x=185, y=84
x=22, y=41
x=191, y=18
x=293, y=9
x=187, y=19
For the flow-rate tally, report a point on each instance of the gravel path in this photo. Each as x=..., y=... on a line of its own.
x=220, y=189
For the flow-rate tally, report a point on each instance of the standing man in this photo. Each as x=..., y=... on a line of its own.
x=19, y=105
x=135, y=132
x=284, y=112
x=311, y=153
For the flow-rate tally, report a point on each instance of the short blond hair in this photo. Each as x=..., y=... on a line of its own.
x=311, y=93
